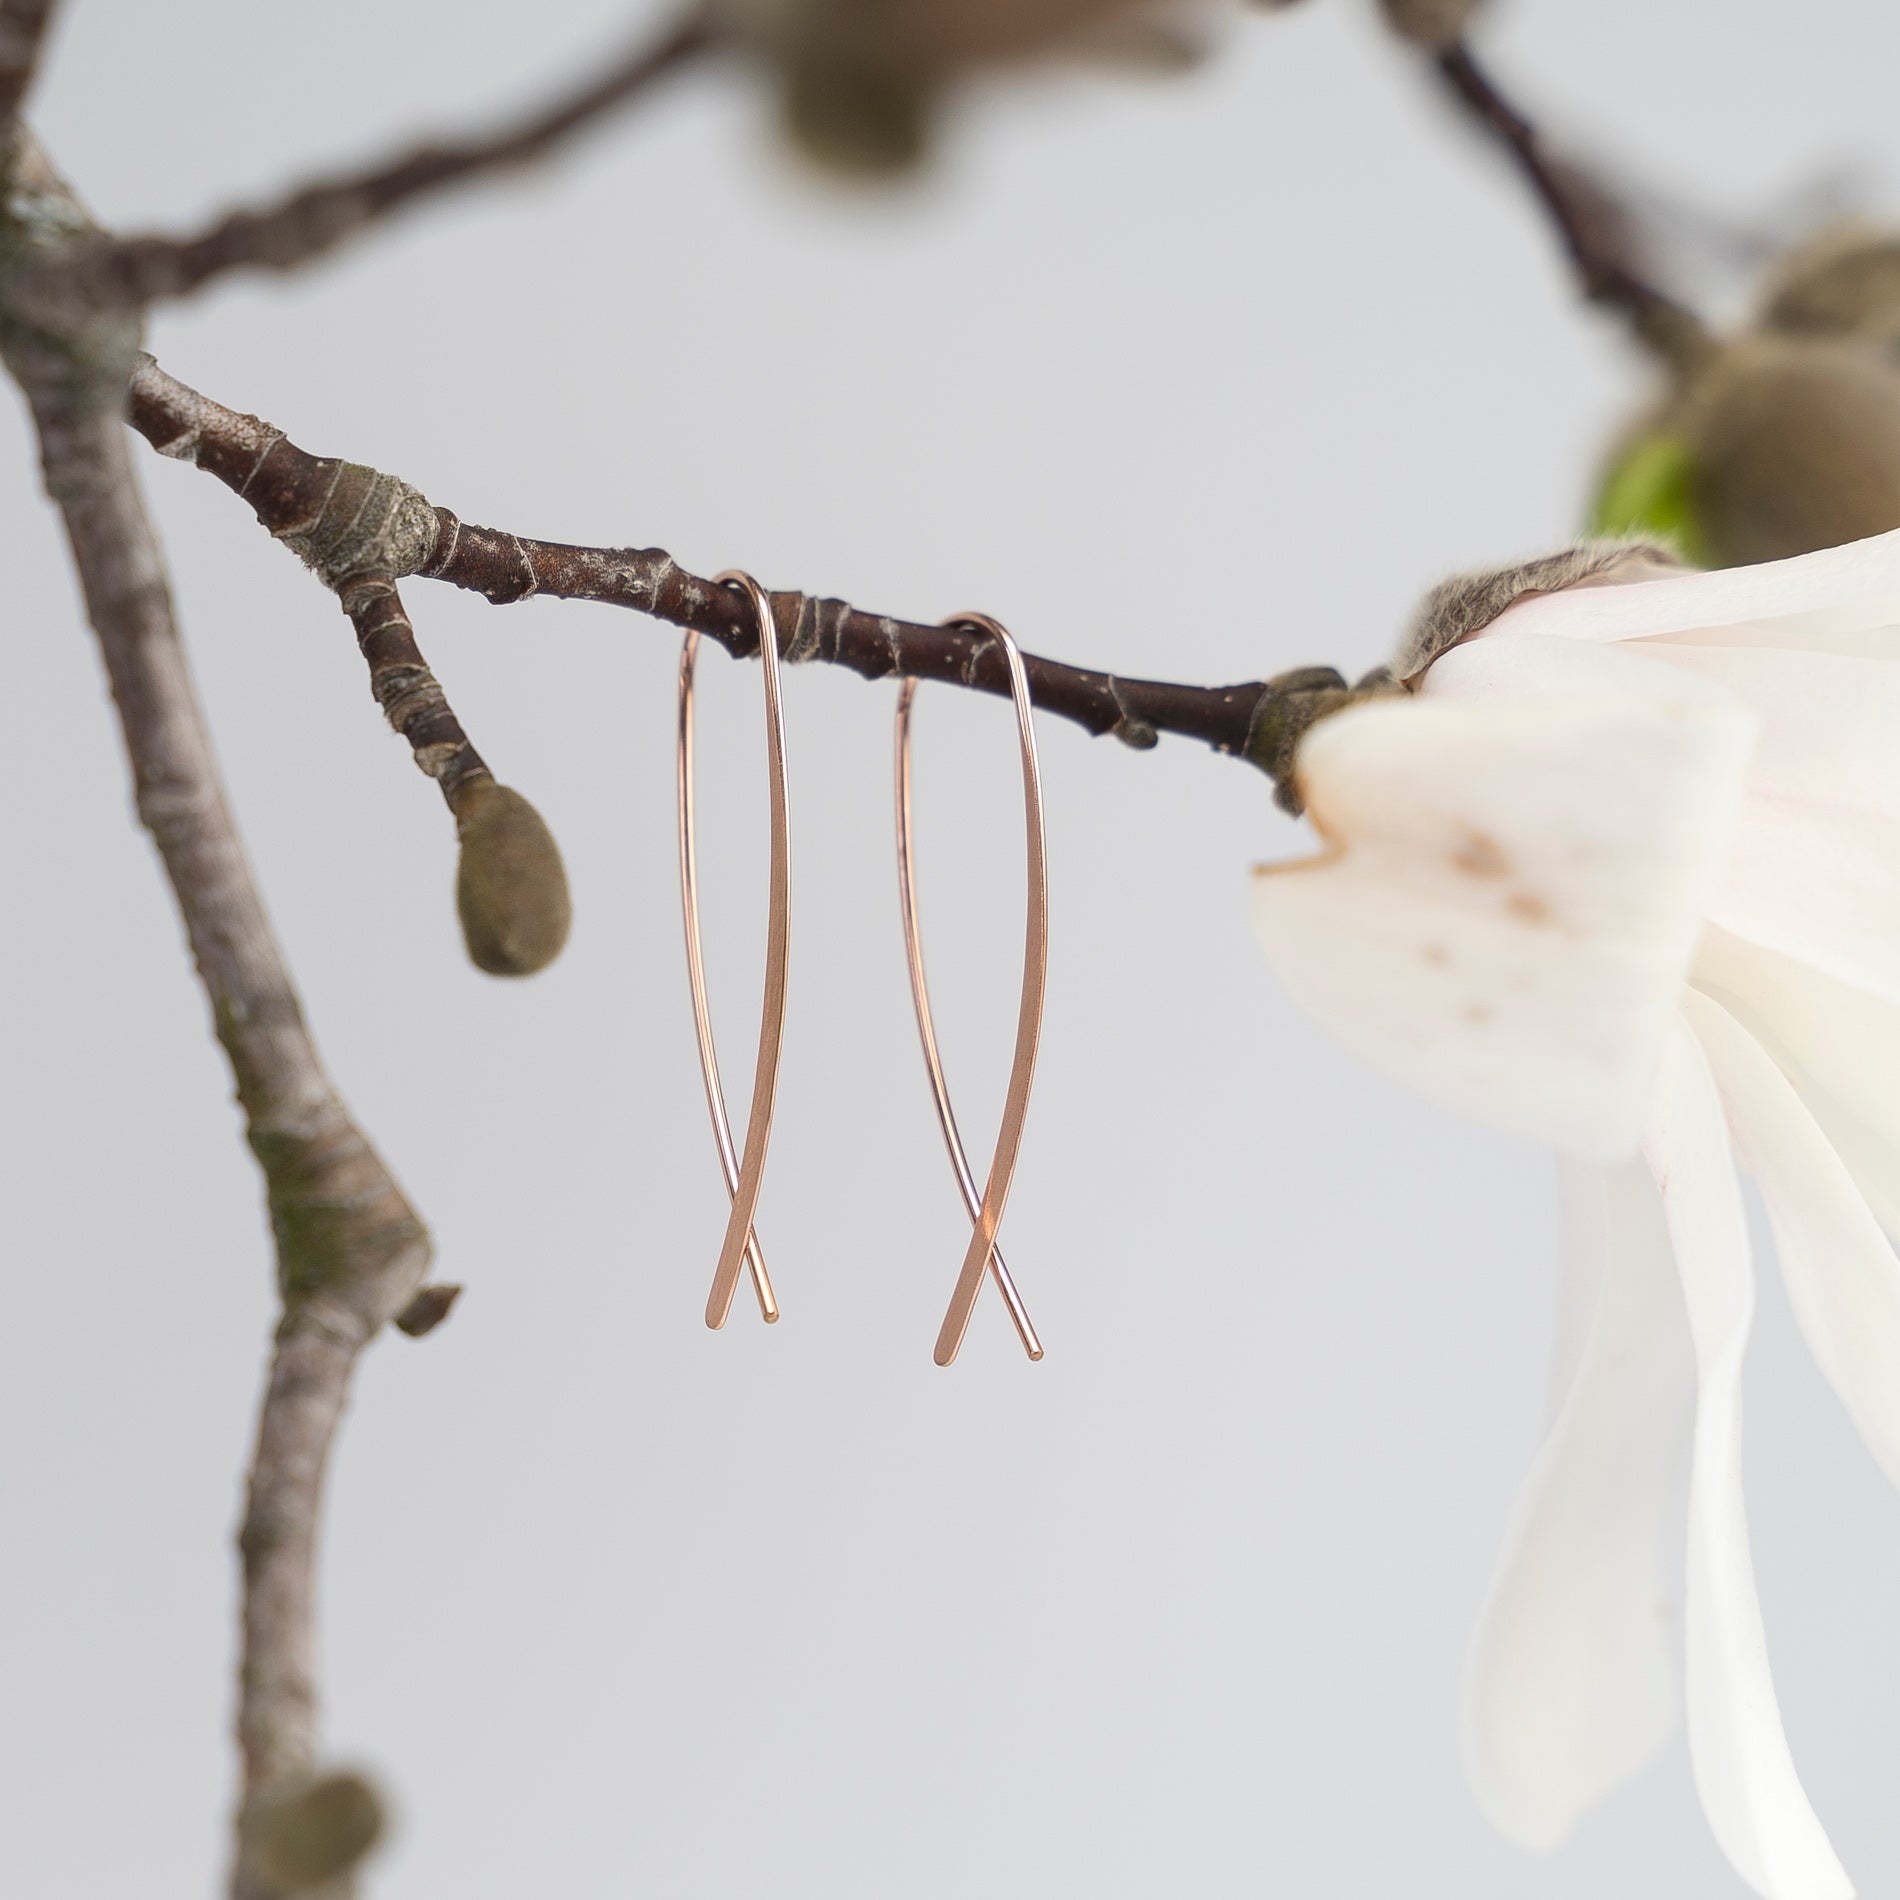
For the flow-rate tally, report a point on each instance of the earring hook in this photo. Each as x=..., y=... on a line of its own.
x=743, y=1175
x=986, y=1212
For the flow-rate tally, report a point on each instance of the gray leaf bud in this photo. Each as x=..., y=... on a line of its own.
x=313, y=1836
x=510, y=886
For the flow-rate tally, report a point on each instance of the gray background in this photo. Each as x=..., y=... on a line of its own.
x=1201, y=379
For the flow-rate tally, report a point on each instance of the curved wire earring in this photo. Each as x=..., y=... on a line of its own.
x=986, y=1212
x=742, y=1175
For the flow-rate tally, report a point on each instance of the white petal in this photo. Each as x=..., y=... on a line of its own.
x=1843, y=1280
x=1838, y=1045
x=1843, y=600
x=1816, y=870
x=1571, y=1683
x=1502, y=664
x=1512, y=891
x=1743, y=1771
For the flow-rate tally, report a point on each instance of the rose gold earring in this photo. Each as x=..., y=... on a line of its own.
x=742, y=1175
x=986, y=1212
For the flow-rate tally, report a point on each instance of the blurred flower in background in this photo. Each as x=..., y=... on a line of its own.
x=862, y=82
x=1624, y=875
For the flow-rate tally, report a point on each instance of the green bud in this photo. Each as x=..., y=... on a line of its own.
x=315, y=1836
x=511, y=887
x=1649, y=492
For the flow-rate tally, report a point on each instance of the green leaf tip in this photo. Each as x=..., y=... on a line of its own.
x=1652, y=490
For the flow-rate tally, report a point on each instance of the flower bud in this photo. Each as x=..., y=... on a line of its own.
x=1844, y=282
x=315, y=1836
x=511, y=887
x=1789, y=445
x=855, y=117
x=861, y=81
x=1433, y=23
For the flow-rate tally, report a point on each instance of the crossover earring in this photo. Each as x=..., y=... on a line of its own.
x=743, y=1175
x=986, y=1211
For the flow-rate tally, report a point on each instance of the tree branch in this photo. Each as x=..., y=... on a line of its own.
x=139, y=270
x=351, y=1252
x=314, y=501
x=23, y=25
x=409, y=694
x=1590, y=227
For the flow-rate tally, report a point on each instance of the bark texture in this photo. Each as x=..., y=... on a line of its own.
x=321, y=501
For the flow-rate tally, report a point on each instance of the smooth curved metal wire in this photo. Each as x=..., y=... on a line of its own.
x=743, y=1175
x=986, y=1211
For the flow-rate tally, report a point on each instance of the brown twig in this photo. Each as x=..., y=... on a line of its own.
x=308, y=499
x=141, y=270
x=1592, y=234
x=409, y=694
x=351, y=1253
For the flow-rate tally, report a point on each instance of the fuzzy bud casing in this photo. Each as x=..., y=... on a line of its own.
x=1462, y=607
x=510, y=886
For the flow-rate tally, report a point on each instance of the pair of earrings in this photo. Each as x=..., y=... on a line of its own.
x=745, y=1170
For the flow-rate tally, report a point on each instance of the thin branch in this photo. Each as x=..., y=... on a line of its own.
x=409, y=694
x=139, y=270
x=23, y=25
x=296, y=496
x=1589, y=226
x=351, y=1252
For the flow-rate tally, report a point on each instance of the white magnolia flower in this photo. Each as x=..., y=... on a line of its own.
x=1624, y=875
